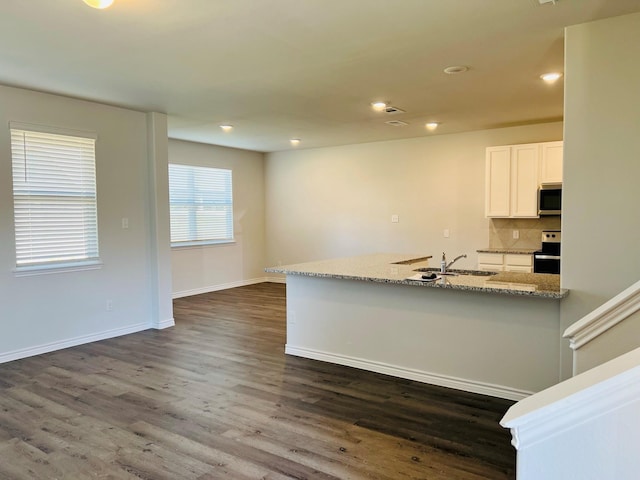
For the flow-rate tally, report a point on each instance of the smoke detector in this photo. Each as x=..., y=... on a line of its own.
x=392, y=110
x=396, y=123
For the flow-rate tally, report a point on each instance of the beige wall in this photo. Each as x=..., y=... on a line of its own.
x=208, y=268
x=335, y=202
x=601, y=230
x=45, y=312
x=621, y=338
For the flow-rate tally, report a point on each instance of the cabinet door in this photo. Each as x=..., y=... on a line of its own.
x=551, y=162
x=524, y=180
x=498, y=182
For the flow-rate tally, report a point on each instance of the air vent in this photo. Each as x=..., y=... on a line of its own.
x=392, y=110
x=396, y=123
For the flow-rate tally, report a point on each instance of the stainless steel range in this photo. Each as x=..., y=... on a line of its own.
x=547, y=259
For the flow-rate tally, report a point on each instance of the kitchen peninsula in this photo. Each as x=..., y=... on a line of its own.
x=493, y=334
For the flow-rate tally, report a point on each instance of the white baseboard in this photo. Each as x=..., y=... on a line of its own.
x=169, y=322
x=411, y=374
x=225, y=286
x=71, y=342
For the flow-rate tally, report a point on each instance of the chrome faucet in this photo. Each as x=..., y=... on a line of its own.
x=444, y=266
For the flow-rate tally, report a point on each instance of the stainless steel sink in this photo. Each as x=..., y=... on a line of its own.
x=455, y=271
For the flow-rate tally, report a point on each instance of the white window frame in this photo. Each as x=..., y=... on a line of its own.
x=201, y=205
x=54, y=199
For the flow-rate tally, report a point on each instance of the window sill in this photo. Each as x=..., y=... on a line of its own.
x=26, y=271
x=187, y=245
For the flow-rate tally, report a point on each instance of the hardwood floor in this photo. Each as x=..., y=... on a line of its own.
x=216, y=398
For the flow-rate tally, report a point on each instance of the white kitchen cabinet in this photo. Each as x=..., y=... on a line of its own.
x=510, y=262
x=491, y=262
x=513, y=174
x=511, y=180
x=518, y=263
x=551, y=162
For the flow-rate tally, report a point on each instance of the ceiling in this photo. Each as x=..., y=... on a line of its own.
x=308, y=69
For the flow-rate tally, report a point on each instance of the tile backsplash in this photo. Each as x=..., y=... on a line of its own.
x=530, y=230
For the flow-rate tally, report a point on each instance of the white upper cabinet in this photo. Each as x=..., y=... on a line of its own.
x=498, y=182
x=513, y=174
x=524, y=180
x=551, y=162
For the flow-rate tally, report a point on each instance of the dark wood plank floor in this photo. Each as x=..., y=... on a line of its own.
x=216, y=398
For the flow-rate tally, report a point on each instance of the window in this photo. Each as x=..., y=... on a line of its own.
x=201, y=204
x=54, y=198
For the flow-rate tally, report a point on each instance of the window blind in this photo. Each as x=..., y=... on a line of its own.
x=54, y=195
x=201, y=204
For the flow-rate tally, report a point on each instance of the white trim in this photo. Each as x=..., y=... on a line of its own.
x=608, y=315
x=71, y=342
x=202, y=243
x=410, y=374
x=222, y=286
x=586, y=396
x=45, y=269
x=161, y=325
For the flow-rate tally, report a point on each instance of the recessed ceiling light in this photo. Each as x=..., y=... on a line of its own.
x=455, y=69
x=226, y=128
x=551, y=77
x=432, y=125
x=379, y=105
x=99, y=3
x=295, y=141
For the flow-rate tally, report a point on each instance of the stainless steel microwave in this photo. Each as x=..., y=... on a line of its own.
x=550, y=199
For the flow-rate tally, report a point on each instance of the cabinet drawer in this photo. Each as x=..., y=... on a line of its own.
x=488, y=267
x=491, y=258
x=519, y=268
x=519, y=260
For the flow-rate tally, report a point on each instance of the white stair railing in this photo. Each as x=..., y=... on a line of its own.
x=599, y=336
x=585, y=428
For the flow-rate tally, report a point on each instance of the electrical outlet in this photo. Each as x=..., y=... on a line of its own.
x=109, y=305
x=125, y=223
x=516, y=234
x=446, y=233
x=395, y=218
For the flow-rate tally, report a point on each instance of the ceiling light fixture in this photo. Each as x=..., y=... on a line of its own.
x=226, y=128
x=551, y=77
x=455, y=69
x=295, y=141
x=98, y=3
x=432, y=125
x=379, y=106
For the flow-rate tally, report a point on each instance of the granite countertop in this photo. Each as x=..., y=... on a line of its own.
x=511, y=250
x=397, y=268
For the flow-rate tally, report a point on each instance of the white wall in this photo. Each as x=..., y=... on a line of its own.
x=336, y=202
x=45, y=312
x=208, y=268
x=601, y=230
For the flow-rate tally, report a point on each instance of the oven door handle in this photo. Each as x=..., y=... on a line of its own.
x=546, y=257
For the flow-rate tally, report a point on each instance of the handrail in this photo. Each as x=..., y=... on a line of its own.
x=579, y=399
x=604, y=317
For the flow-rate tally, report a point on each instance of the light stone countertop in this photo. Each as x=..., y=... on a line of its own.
x=512, y=250
x=397, y=268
